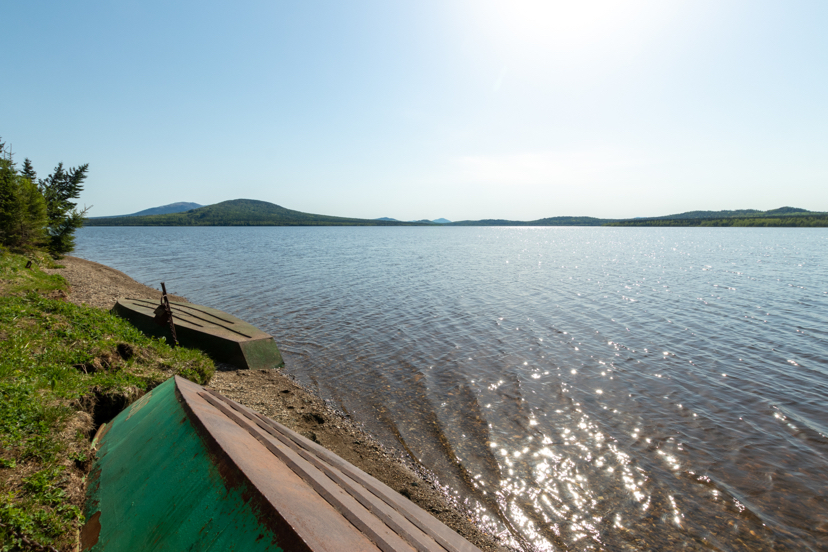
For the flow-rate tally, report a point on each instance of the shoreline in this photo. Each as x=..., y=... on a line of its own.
x=276, y=395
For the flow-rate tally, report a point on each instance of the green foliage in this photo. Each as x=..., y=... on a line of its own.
x=22, y=209
x=40, y=509
x=59, y=188
x=28, y=171
x=18, y=280
x=33, y=215
x=57, y=358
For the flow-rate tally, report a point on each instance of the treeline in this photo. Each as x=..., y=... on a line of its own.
x=788, y=221
x=784, y=221
x=39, y=213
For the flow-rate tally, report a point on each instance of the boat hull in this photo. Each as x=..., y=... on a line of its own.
x=224, y=337
x=185, y=468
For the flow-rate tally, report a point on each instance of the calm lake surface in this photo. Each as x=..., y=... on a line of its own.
x=579, y=388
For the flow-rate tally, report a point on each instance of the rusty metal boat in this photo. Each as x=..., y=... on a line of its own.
x=223, y=336
x=185, y=468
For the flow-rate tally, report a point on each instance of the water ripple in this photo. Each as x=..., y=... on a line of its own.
x=579, y=388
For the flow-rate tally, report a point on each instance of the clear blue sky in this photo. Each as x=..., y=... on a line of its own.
x=516, y=109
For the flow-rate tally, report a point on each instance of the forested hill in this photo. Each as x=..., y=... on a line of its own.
x=250, y=212
x=782, y=217
x=242, y=212
x=790, y=217
x=782, y=211
x=805, y=220
x=179, y=207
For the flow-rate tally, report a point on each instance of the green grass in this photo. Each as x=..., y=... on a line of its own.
x=16, y=279
x=63, y=369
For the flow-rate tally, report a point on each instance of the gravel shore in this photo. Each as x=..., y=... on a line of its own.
x=99, y=286
x=277, y=396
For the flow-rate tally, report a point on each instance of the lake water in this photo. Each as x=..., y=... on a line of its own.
x=578, y=388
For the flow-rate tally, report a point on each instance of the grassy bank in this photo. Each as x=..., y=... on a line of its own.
x=64, y=370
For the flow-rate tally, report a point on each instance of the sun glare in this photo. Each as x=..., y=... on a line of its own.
x=571, y=29
x=571, y=22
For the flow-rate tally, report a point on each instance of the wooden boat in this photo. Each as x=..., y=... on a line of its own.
x=224, y=337
x=185, y=468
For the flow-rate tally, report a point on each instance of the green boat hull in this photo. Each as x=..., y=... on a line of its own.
x=186, y=469
x=156, y=486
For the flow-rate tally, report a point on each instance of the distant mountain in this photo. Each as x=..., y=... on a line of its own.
x=735, y=213
x=782, y=217
x=250, y=212
x=709, y=214
x=423, y=221
x=179, y=207
x=239, y=212
x=787, y=211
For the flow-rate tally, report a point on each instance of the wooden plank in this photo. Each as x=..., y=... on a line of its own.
x=185, y=468
x=413, y=514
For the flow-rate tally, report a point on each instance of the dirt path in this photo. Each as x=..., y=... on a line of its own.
x=277, y=396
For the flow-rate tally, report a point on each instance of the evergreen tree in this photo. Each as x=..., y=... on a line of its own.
x=58, y=189
x=28, y=171
x=8, y=198
x=22, y=209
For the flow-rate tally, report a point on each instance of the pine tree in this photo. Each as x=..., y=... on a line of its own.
x=28, y=171
x=22, y=209
x=32, y=214
x=8, y=198
x=58, y=189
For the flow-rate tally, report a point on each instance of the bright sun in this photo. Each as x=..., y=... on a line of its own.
x=573, y=29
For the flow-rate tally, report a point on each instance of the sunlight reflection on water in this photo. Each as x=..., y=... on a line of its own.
x=579, y=388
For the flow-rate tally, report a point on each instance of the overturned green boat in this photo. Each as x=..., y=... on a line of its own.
x=185, y=468
x=224, y=337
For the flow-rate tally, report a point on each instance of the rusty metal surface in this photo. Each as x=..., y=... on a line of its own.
x=91, y=532
x=346, y=474
x=298, y=506
x=362, y=519
x=387, y=520
x=168, y=314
